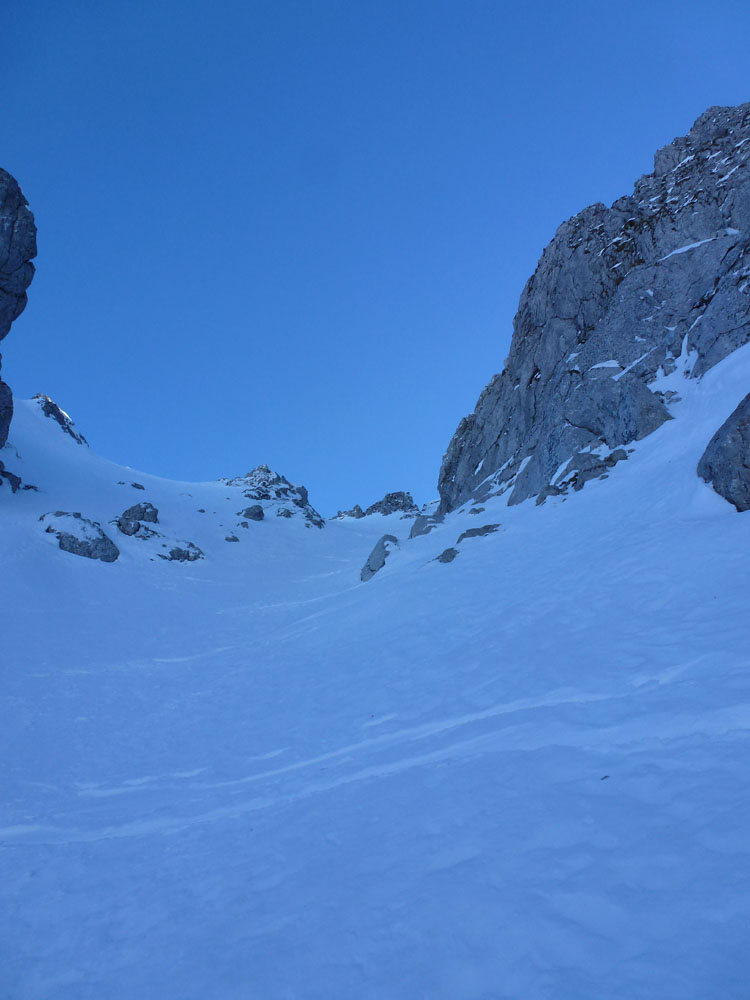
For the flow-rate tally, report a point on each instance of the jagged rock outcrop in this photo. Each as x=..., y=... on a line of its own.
x=618, y=296
x=276, y=496
x=356, y=512
x=392, y=503
x=376, y=559
x=50, y=409
x=17, y=249
x=80, y=536
x=725, y=463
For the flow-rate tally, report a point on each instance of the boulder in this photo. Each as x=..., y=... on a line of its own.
x=376, y=559
x=80, y=536
x=142, y=512
x=725, y=463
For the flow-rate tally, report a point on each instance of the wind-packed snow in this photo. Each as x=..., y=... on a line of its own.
x=520, y=775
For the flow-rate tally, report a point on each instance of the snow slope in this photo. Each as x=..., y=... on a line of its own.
x=520, y=775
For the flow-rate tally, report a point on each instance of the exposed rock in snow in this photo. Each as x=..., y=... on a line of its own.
x=376, y=559
x=393, y=503
x=17, y=248
x=252, y=513
x=50, y=409
x=726, y=461
x=447, y=555
x=80, y=536
x=142, y=512
x=424, y=523
x=6, y=410
x=486, y=529
x=130, y=520
x=355, y=512
x=9, y=477
x=619, y=295
x=184, y=552
x=276, y=495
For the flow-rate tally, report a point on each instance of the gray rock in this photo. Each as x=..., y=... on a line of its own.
x=393, y=503
x=486, y=529
x=128, y=526
x=80, y=536
x=231, y=538
x=618, y=296
x=477, y=510
x=447, y=556
x=6, y=411
x=142, y=512
x=424, y=524
x=376, y=559
x=253, y=513
x=355, y=512
x=185, y=552
x=277, y=493
x=50, y=409
x=725, y=463
x=17, y=249
x=547, y=491
x=14, y=481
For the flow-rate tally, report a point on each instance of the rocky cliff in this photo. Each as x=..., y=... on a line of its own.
x=618, y=296
x=17, y=248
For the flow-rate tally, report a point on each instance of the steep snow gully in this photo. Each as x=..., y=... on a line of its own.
x=232, y=769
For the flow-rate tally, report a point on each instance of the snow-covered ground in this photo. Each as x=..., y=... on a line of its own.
x=519, y=775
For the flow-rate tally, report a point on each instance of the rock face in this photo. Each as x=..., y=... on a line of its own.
x=726, y=461
x=17, y=249
x=619, y=294
x=276, y=496
x=376, y=559
x=76, y=534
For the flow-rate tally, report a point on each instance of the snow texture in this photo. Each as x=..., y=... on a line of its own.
x=519, y=775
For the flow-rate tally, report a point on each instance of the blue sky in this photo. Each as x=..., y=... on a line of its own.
x=297, y=232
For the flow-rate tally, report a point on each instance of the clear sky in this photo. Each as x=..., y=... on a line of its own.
x=296, y=232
